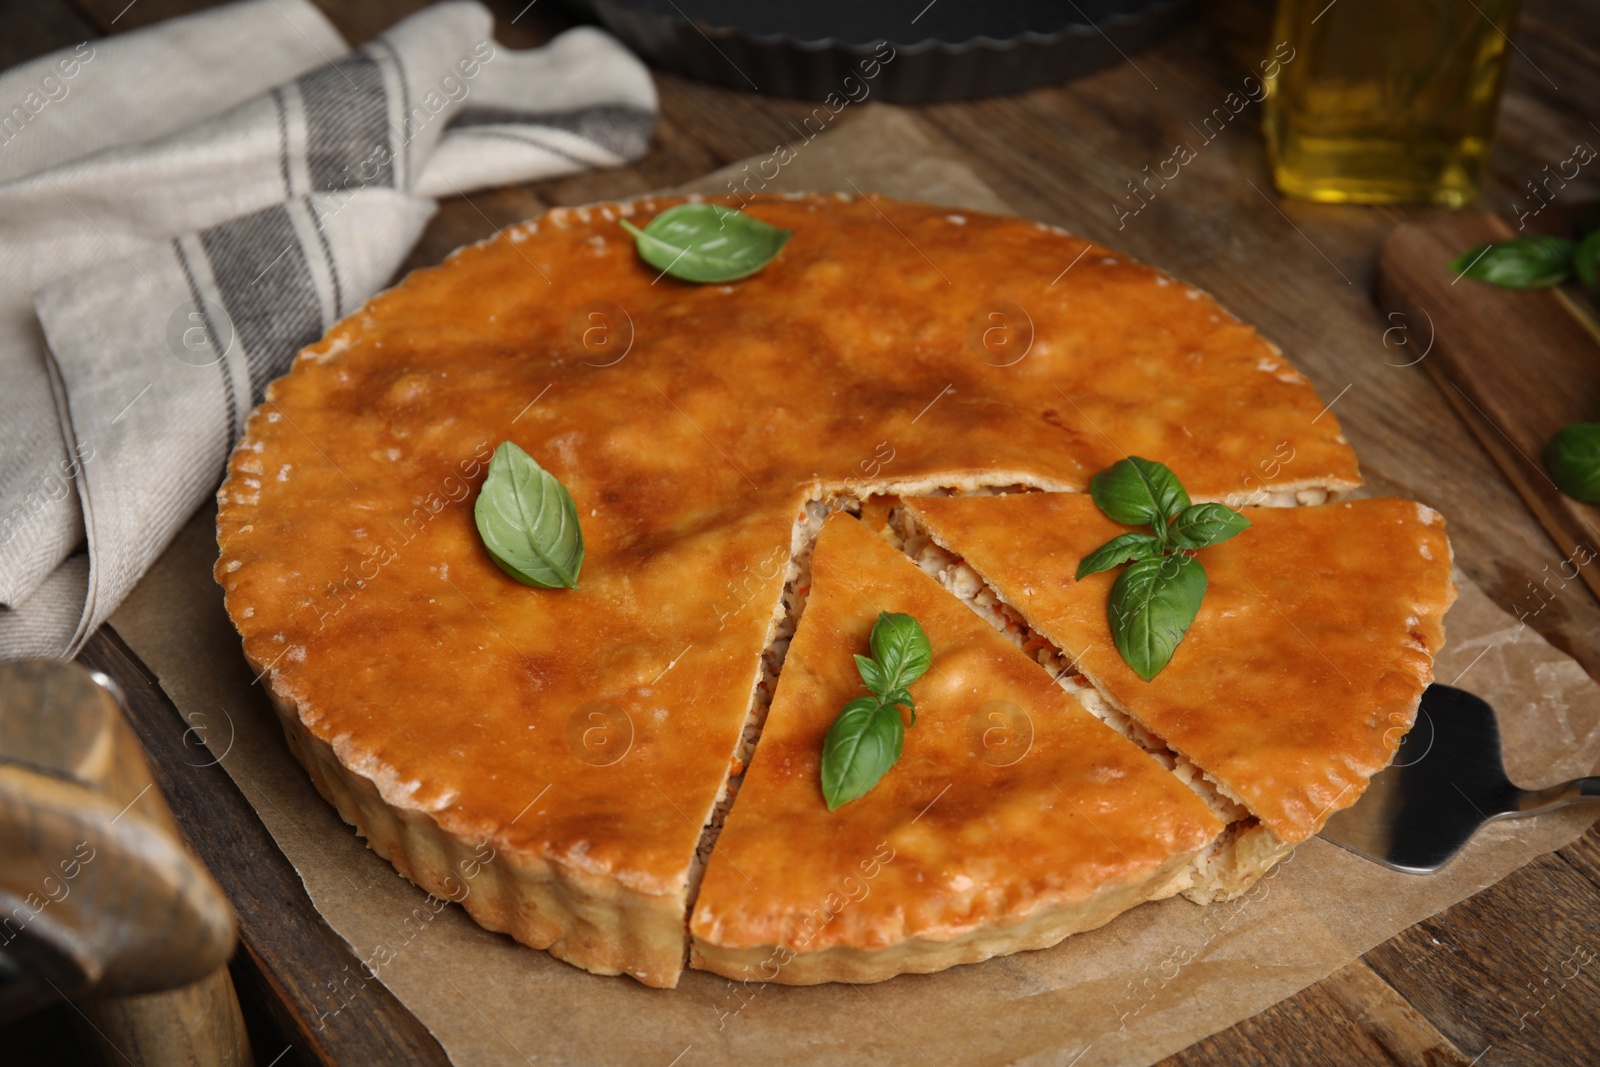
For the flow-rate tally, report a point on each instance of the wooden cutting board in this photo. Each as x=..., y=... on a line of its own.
x=1516, y=366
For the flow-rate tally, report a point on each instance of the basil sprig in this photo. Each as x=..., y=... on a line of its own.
x=868, y=736
x=707, y=243
x=1573, y=459
x=1524, y=263
x=1535, y=262
x=1154, y=601
x=528, y=521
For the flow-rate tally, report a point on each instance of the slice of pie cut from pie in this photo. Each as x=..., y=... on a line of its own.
x=1012, y=819
x=1296, y=681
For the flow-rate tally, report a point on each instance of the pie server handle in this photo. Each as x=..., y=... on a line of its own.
x=1538, y=801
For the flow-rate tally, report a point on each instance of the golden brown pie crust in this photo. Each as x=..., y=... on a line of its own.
x=1013, y=818
x=441, y=705
x=1301, y=673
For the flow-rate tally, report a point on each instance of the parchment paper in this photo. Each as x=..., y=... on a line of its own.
x=1153, y=981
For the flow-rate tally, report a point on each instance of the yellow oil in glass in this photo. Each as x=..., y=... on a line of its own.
x=1386, y=101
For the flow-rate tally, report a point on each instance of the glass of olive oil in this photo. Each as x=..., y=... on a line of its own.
x=1386, y=101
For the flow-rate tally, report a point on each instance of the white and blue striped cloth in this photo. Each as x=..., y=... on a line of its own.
x=184, y=207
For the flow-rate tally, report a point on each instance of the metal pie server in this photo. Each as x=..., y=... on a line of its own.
x=1446, y=781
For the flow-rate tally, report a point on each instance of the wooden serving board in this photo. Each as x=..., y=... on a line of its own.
x=1516, y=366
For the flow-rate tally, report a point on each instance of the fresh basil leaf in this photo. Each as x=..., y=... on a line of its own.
x=1137, y=491
x=862, y=744
x=1573, y=459
x=873, y=676
x=867, y=737
x=707, y=242
x=528, y=521
x=1199, y=525
x=901, y=647
x=1525, y=263
x=1586, y=260
x=1151, y=607
x=1120, y=549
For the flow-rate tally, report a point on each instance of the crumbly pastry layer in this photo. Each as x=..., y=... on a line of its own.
x=1046, y=926
x=1304, y=668
x=590, y=735
x=1013, y=818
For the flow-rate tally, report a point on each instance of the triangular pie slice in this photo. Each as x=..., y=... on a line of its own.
x=1013, y=819
x=1296, y=681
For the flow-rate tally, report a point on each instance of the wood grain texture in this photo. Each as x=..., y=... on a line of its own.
x=1584, y=855
x=1379, y=1012
x=100, y=897
x=1063, y=155
x=1512, y=974
x=288, y=957
x=1352, y=1016
x=1515, y=366
x=105, y=908
x=199, y=1025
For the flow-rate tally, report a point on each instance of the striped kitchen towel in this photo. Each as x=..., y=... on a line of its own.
x=184, y=207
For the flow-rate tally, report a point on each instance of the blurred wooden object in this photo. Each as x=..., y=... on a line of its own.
x=198, y=1024
x=1515, y=365
x=287, y=954
x=100, y=902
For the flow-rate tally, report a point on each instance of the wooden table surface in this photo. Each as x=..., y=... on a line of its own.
x=1476, y=984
